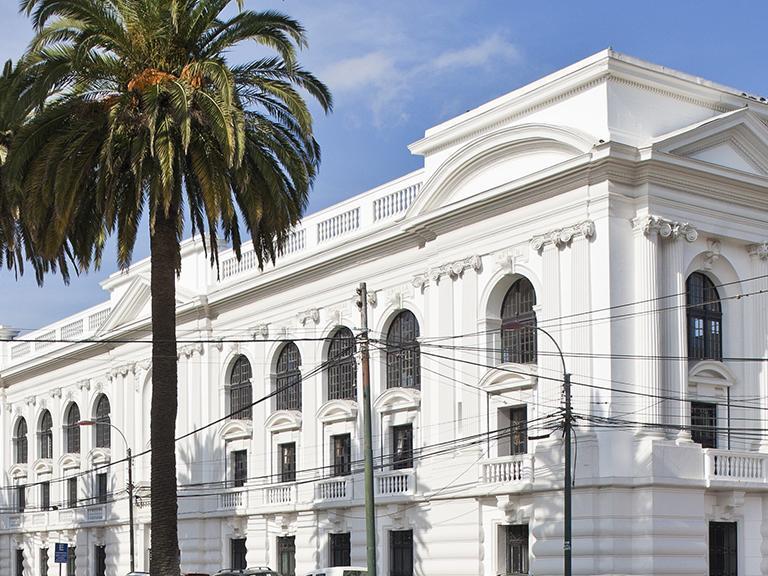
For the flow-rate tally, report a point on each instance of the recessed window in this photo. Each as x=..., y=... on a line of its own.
x=239, y=467
x=515, y=421
x=20, y=442
x=286, y=555
x=71, y=559
x=401, y=552
x=722, y=549
x=21, y=498
x=403, y=352
x=103, y=423
x=72, y=492
x=288, y=379
x=287, y=465
x=704, y=424
x=45, y=495
x=402, y=447
x=340, y=549
x=43, y=561
x=100, y=560
x=19, y=562
x=72, y=430
x=241, y=390
x=705, y=319
x=518, y=324
x=342, y=367
x=514, y=541
x=101, y=488
x=342, y=454
x=239, y=551
x=45, y=435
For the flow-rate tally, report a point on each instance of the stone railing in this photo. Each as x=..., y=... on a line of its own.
x=395, y=483
x=334, y=489
x=726, y=466
x=233, y=500
x=348, y=219
x=518, y=468
x=280, y=494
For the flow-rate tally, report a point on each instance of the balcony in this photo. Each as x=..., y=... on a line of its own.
x=395, y=483
x=334, y=489
x=235, y=500
x=280, y=494
x=507, y=469
x=728, y=469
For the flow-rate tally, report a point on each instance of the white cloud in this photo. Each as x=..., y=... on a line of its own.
x=493, y=49
x=373, y=69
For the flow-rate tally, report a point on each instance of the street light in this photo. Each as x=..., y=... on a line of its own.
x=130, y=479
x=567, y=518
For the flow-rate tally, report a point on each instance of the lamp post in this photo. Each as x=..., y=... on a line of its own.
x=130, y=480
x=567, y=489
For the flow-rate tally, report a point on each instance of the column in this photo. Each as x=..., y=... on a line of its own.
x=647, y=341
x=758, y=335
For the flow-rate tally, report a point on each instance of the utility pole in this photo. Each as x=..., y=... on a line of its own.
x=370, y=509
x=130, y=508
x=567, y=517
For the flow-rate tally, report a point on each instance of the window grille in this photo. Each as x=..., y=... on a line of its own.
x=518, y=320
x=705, y=318
x=45, y=495
x=241, y=390
x=72, y=430
x=46, y=435
x=704, y=424
x=401, y=552
x=22, y=449
x=340, y=549
x=72, y=492
x=516, y=550
x=286, y=555
x=103, y=421
x=288, y=379
x=403, y=354
x=239, y=552
x=723, y=549
x=342, y=366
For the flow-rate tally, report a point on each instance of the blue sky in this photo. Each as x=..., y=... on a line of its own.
x=398, y=67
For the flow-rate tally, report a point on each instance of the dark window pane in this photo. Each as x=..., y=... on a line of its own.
x=239, y=550
x=100, y=560
x=402, y=447
x=401, y=553
x=20, y=441
x=705, y=339
x=72, y=430
x=103, y=421
x=287, y=454
x=71, y=557
x=340, y=549
x=45, y=495
x=286, y=555
x=518, y=319
x=342, y=367
x=46, y=435
x=342, y=454
x=518, y=430
x=72, y=492
x=240, y=467
x=704, y=424
x=241, y=390
x=43, y=561
x=403, y=352
x=21, y=498
x=19, y=562
x=101, y=488
x=288, y=379
x=516, y=553
x=722, y=549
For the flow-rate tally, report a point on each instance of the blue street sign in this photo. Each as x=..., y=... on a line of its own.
x=61, y=552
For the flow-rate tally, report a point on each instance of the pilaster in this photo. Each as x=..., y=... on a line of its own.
x=758, y=256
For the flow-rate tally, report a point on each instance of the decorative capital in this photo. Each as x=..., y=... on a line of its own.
x=189, y=350
x=712, y=254
x=666, y=228
x=562, y=237
x=260, y=330
x=452, y=269
x=758, y=250
x=30, y=400
x=84, y=384
x=307, y=315
x=56, y=393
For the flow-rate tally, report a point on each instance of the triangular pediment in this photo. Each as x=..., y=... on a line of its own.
x=736, y=140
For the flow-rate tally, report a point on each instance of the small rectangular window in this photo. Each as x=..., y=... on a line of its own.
x=401, y=553
x=72, y=492
x=71, y=558
x=100, y=560
x=516, y=555
x=340, y=549
x=101, y=488
x=287, y=454
x=239, y=551
x=45, y=495
x=402, y=447
x=43, y=561
x=286, y=555
x=240, y=467
x=19, y=562
x=704, y=424
x=342, y=454
x=722, y=549
x=21, y=498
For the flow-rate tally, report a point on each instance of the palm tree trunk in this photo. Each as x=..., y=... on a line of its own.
x=164, y=254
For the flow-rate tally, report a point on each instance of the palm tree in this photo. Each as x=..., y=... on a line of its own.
x=145, y=114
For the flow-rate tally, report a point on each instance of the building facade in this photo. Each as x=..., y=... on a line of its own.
x=616, y=205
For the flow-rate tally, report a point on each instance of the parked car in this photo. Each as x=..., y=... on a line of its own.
x=250, y=571
x=340, y=571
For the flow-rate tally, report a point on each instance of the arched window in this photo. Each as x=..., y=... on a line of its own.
x=705, y=319
x=20, y=441
x=403, y=354
x=103, y=421
x=342, y=367
x=45, y=435
x=240, y=390
x=288, y=380
x=72, y=430
x=518, y=321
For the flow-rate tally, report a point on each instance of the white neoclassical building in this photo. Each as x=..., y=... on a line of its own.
x=618, y=205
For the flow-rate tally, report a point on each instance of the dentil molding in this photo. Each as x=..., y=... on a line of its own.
x=667, y=228
x=758, y=250
x=562, y=237
x=452, y=269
